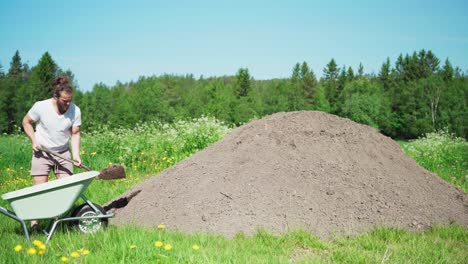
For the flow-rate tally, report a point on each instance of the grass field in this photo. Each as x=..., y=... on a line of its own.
x=150, y=148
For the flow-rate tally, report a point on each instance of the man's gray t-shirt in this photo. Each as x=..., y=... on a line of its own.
x=53, y=130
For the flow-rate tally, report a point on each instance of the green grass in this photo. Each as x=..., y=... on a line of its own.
x=447, y=244
x=150, y=148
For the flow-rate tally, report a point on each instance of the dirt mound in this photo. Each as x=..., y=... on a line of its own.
x=306, y=169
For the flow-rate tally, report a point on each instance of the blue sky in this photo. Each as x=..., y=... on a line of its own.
x=106, y=41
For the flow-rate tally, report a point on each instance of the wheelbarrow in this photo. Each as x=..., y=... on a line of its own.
x=55, y=202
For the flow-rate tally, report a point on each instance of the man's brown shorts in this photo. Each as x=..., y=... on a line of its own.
x=42, y=163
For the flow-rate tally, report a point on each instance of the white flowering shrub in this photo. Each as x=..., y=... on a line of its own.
x=443, y=154
x=152, y=146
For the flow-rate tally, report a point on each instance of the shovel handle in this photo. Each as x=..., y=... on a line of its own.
x=46, y=150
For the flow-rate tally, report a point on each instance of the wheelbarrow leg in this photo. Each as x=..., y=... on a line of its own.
x=52, y=230
x=13, y=215
x=25, y=229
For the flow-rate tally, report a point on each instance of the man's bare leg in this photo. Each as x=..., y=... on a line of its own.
x=60, y=176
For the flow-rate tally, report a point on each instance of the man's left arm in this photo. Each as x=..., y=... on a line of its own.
x=75, y=144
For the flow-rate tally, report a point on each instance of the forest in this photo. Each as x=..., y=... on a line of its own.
x=415, y=95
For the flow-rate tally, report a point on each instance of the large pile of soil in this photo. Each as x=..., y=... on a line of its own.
x=310, y=170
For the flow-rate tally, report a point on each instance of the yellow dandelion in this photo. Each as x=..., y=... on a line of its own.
x=110, y=163
x=85, y=252
x=161, y=226
x=37, y=243
x=40, y=253
x=32, y=251
x=195, y=247
x=82, y=152
x=18, y=248
x=42, y=247
x=168, y=247
x=93, y=153
x=133, y=246
x=158, y=243
x=64, y=259
x=75, y=254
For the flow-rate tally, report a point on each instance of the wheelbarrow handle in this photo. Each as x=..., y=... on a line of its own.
x=46, y=150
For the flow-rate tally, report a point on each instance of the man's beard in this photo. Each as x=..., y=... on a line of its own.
x=62, y=109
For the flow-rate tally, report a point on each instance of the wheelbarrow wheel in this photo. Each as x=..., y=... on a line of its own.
x=88, y=226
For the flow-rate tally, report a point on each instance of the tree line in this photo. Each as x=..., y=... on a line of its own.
x=416, y=95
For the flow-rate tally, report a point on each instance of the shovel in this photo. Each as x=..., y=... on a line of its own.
x=112, y=172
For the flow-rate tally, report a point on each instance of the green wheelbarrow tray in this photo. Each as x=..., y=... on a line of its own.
x=54, y=200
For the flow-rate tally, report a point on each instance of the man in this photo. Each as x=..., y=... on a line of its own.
x=57, y=120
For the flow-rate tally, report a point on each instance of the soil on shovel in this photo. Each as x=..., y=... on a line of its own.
x=309, y=170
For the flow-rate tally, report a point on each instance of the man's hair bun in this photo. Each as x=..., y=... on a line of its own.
x=61, y=80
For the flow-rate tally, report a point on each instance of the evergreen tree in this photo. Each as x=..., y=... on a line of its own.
x=39, y=87
x=432, y=62
x=296, y=73
x=309, y=82
x=413, y=111
x=43, y=75
x=331, y=73
x=360, y=70
x=15, y=70
x=342, y=80
x=400, y=68
x=13, y=81
x=295, y=94
x=423, y=70
x=243, y=84
x=447, y=71
x=425, y=64
x=384, y=74
x=413, y=71
x=304, y=70
x=350, y=74
x=26, y=71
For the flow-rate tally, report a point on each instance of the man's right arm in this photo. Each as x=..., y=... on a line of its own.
x=29, y=129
